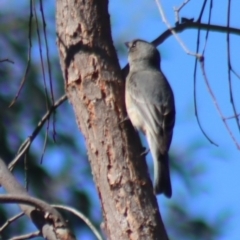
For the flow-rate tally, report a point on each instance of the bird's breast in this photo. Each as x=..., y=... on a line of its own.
x=133, y=113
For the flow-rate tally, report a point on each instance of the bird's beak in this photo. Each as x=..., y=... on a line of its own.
x=127, y=44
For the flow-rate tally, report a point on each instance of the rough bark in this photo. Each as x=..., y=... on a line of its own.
x=95, y=88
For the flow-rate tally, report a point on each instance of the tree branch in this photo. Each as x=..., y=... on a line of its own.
x=18, y=194
x=81, y=216
x=195, y=25
x=26, y=144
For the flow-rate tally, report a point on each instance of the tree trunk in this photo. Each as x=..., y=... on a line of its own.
x=95, y=88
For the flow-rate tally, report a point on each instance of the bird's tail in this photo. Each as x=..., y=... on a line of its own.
x=162, y=181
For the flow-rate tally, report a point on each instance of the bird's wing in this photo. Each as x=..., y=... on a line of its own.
x=155, y=102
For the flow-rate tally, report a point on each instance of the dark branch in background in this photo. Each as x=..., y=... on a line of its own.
x=47, y=51
x=49, y=66
x=209, y=21
x=195, y=68
x=26, y=144
x=230, y=66
x=232, y=117
x=6, y=60
x=44, y=79
x=202, y=11
x=195, y=71
x=34, y=13
x=41, y=56
x=26, y=170
x=29, y=55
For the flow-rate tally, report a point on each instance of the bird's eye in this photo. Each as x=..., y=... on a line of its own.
x=133, y=45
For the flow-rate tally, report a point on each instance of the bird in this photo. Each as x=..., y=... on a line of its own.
x=150, y=107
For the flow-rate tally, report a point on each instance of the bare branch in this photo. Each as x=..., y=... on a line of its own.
x=10, y=220
x=26, y=144
x=209, y=21
x=27, y=236
x=34, y=202
x=44, y=78
x=29, y=56
x=194, y=25
x=49, y=75
x=81, y=216
x=235, y=73
x=6, y=60
x=47, y=220
x=178, y=9
x=230, y=67
x=217, y=106
x=232, y=117
x=41, y=55
x=202, y=11
x=47, y=51
x=195, y=74
x=164, y=19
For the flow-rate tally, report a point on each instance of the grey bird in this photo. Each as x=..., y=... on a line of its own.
x=150, y=106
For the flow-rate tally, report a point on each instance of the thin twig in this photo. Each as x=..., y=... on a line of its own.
x=48, y=211
x=202, y=11
x=44, y=80
x=185, y=26
x=164, y=19
x=217, y=106
x=232, y=117
x=80, y=215
x=29, y=55
x=178, y=9
x=26, y=144
x=195, y=74
x=41, y=55
x=7, y=60
x=230, y=67
x=47, y=50
x=26, y=175
x=235, y=73
x=194, y=25
x=49, y=73
x=45, y=143
x=27, y=236
x=10, y=220
x=207, y=33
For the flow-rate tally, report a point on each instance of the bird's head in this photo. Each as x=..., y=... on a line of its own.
x=142, y=51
